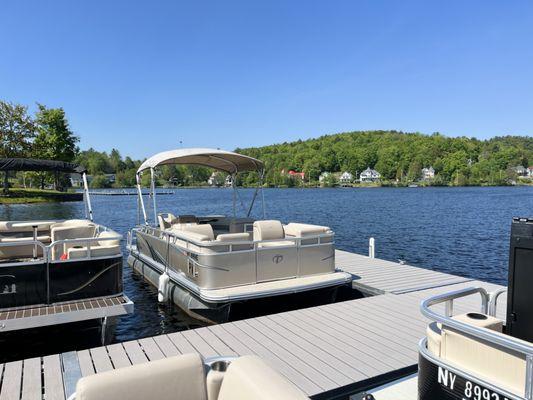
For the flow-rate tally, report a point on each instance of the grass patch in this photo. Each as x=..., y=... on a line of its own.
x=26, y=196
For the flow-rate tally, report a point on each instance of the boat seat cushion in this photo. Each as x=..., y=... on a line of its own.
x=277, y=243
x=233, y=237
x=24, y=226
x=203, y=229
x=12, y=239
x=109, y=242
x=76, y=252
x=268, y=230
x=249, y=377
x=302, y=230
x=173, y=378
x=71, y=229
x=194, y=236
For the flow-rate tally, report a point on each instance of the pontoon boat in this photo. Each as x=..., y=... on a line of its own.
x=207, y=263
x=58, y=271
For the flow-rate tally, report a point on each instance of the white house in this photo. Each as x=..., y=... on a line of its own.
x=530, y=172
x=369, y=175
x=428, y=173
x=346, y=178
x=520, y=170
x=323, y=176
x=228, y=182
x=212, y=181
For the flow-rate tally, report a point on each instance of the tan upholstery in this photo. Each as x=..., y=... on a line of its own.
x=302, y=230
x=433, y=334
x=233, y=237
x=194, y=236
x=10, y=239
x=175, y=378
x=111, y=242
x=499, y=366
x=203, y=229
x=249, y=377
x=11, y=226
x=268, y=230
x=480, y=320
x=71, y=229
x=96, y=251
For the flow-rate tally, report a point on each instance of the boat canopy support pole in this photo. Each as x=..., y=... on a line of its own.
x=88, y=206
x=152, y=186
x=141, y=201
x=233, y=185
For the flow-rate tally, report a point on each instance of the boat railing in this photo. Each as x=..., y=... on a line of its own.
x=488, y=306
x=321, y=239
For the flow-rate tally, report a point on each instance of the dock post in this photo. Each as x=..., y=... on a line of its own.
x=372, y=248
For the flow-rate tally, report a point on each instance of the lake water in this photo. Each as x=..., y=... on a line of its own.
x=463, y=231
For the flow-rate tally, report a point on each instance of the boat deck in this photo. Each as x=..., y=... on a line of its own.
x=327, y=351
x=72, y=311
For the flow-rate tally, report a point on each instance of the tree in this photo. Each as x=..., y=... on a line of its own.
x=16, y=133
x=55, y=140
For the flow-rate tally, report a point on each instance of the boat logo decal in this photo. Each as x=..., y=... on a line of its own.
x=277, y=259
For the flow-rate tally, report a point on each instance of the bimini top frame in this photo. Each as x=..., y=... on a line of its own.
x=226, y=161
x=31, y=164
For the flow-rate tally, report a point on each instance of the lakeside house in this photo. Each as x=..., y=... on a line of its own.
x=428, y=173
x=530, y=172
x=212, y=181
x=346, y=178
x=520, y=170
x=293, y=174
x=228, y=182
x=369, y=175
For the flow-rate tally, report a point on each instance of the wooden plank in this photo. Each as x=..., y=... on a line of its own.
x=152, y=351
x=323, y=382
x=199, y=344
x=289, y=371
x=12, y=381
x=181, y=343
x=31, y=384
x=86, y=363
x=118, y=355
x=218, y=345
x=311, y=355
x=71, y=372
x=53, y=378
x=166, y=346
x=135, y=352
x=101, y=360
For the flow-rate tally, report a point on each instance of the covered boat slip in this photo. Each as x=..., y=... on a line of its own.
x=329, y=351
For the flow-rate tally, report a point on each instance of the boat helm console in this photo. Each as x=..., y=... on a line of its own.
x=476, y=355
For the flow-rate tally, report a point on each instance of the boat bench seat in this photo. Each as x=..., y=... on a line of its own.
x=26, y=226
x=17, y=239
x=184, y=378
x=233, y=237
x=101, y=248
x=491, y=362
x=70, y=229
x=301, y=230
x=21, y=251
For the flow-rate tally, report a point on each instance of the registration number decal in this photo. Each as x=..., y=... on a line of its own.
x=465, y=388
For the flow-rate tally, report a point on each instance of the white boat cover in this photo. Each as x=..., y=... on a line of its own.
x=222, y=160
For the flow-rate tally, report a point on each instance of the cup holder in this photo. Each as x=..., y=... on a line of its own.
x=220, y=366
x=477, y=316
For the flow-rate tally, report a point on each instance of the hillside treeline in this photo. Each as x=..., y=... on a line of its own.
x=399, y=157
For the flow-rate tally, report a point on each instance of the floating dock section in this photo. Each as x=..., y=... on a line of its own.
x=327, y=351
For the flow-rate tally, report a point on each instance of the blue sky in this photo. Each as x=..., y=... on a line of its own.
x=141, y=76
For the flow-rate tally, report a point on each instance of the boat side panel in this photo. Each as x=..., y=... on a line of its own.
x=22, y=284
x=83, y=279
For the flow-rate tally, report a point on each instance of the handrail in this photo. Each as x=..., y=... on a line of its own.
x=507, y=342
x=493, y=300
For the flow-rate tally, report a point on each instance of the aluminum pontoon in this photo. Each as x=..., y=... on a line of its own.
x=58, y=271
x=207, y=263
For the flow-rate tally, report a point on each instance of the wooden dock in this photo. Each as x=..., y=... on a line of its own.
x=327, y=351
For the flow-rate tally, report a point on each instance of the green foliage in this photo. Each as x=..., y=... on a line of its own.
x=99, y=182
x=399, y=157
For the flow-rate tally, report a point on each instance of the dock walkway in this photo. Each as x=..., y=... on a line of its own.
x=327, y=351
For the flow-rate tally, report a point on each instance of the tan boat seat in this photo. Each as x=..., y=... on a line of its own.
x=27, y=226
x=174, y=378
x=10, y=239
x=501, y=367
x=70, y=229
x=233, y=237
x=268, y=230
x=249, y=377
x=302, y=230
x=202, y=229
x=184, y=378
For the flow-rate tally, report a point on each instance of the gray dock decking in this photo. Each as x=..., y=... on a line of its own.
x=323, y=350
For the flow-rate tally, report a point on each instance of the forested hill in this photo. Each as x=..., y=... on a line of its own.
x=399, y=155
